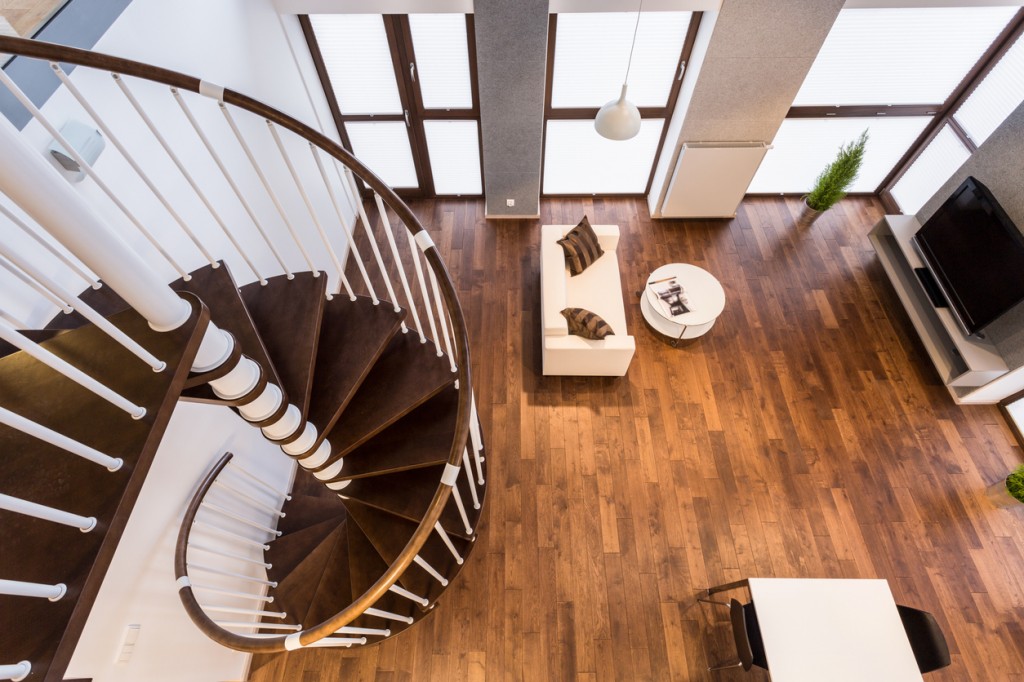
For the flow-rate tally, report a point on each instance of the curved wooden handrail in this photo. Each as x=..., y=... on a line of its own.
x=71, y=55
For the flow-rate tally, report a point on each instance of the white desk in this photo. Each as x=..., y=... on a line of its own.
x=834, y=630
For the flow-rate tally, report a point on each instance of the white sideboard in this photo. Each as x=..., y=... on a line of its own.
x=964, y=363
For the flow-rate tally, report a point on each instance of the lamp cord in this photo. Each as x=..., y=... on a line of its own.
x=636, y=28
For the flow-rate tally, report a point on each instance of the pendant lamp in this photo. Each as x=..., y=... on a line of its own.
x=620, y=119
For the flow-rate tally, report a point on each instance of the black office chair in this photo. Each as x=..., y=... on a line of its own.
x=926, y=639
x=747, y=635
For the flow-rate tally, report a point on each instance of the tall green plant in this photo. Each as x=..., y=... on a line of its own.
x=1015, y=483
x=832, y=183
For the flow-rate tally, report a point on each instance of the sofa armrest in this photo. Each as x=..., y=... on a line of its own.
x=552, y=284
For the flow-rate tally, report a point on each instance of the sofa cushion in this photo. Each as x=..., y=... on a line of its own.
x=599, y=289
x=581, y=247
x=586, y=324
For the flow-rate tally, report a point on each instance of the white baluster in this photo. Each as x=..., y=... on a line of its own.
x=11, y=336
x=343, y=223
x=337, y=641
x=388, y=615
x=18, y=588
x=450, y=478
x=422, y=563
x=389, y=233
x=39, y=511
x=423, y=291
x=448, y=543
x=409, y=595
x=352, y=192
x=238, y=517
x=256, y=624
x=244, y=612
x=250, y=499
x=240, y=576
x=441, y=314
x=228, y=555
x=232, y=593
x=270, y=190
x=312, y=212
x=476, y=438
x=177, y=162
x=204, y=525
x=259, y=481
x=87, y=168
x=35, y=286
x=13, y=321
x=462, y=509
x=227, y=176
x=349, y=630
x=469, y=478
x=56, y=253
x=16, y=672
x=15, y=421
x=86, y=311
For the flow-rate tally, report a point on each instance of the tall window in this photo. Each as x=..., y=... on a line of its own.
x=587, y=58
x=892, y=71
x=404, y=96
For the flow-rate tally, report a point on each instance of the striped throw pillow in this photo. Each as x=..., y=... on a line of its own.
x=581, y=247
x=586, y=324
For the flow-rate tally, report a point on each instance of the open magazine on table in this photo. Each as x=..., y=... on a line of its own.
x=671, y=296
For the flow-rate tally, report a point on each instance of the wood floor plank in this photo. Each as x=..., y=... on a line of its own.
x=806, y=434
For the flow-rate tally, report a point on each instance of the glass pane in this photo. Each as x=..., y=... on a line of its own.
x=384, y=147
x=454, y=149
x=900, y=56
x=804, y=146
x=358, y=61
x=996, y=96
x=939, y=160
x=442, y=60
x=592, y=52
x=579, y=161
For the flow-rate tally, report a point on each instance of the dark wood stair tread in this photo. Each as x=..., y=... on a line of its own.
x=104, y=300
x=422, y=438
x=352, y=337
x=296, y=589
x=405, y=376
x=289, y=551
x=365, y=568
x=408, y=494
x=217, y=289
x=389, y=534
x=334, y=589
x=287, y=314
x=45, y=552
x=305, y=510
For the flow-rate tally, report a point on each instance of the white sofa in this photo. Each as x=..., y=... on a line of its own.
x=597, y=289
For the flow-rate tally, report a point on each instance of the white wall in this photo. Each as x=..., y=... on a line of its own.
x=139, y=588
x=241, y=44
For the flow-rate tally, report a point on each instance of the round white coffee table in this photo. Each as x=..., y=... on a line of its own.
x=701, y=294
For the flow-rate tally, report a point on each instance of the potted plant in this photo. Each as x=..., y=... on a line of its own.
x=832, y=183
x=1010, y=491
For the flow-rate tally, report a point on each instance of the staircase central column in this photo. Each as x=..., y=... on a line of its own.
x=37, y=187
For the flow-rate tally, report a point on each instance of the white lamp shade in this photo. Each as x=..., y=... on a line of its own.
x=618, y=119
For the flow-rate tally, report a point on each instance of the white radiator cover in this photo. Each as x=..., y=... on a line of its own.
x=711, y=178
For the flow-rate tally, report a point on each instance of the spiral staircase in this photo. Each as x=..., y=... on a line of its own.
x=369, y=395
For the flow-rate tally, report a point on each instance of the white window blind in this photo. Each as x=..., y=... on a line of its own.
x=358, y=62
x=442, y=60
x=579, y=161
x=592, y=52
x=804, y=146
x=939, y=160
x=454, y=150
x=900, y=55
x=384, y=147
x=996, y=96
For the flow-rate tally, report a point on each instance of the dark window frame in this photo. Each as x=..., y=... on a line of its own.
x=400, y=45
x=589, y=113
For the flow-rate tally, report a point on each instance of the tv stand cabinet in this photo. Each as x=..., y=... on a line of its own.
x=964, y=363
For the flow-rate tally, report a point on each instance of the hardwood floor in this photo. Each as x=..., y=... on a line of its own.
x=807, y=435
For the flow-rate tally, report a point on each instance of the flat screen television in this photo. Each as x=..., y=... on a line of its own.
x=976, y=254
